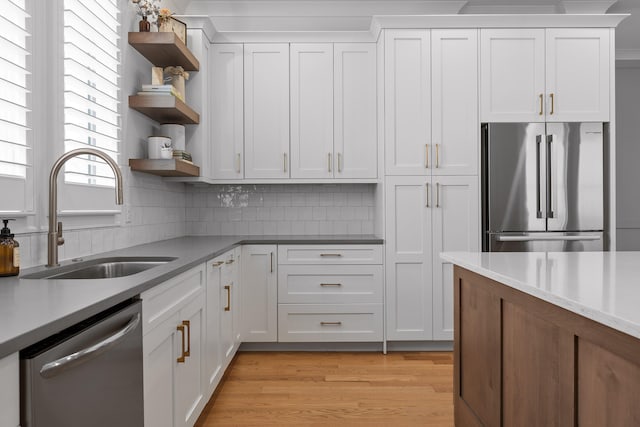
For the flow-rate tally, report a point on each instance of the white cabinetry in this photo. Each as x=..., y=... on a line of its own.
x=424, y=217
x=227, y=111
x=259, y=293
x=10, y=390
x=329, y=293
x=536, y=75
x=266, y=110
x=230, y=300
x=173, y=333
x=213, y=364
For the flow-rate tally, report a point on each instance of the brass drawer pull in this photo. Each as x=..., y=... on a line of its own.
x=552, y=103
x=437, y=195
x=230, y=261
x=541, y=105
x=330, y=284
x=330, y=323
x=217, y=264
x=187, y=323
x=426, y=195
x=437, y=156
x=328, y=162
x=340, y=162
x=426, y=156
x=284, y=162
x=183, y=356
x=228, y=289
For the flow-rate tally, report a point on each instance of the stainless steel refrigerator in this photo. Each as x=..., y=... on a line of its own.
x=543, y=187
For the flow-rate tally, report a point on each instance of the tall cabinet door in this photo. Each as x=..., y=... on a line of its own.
x=312, y=110
x=259, y=293
x=455, y=128
x=577, y=77
x=355, y=119
x=226, y=100
x=512, y=75
x=266, y=110
x=456, y=227
x=212, y=345
x=408, y=258
x=407, y=75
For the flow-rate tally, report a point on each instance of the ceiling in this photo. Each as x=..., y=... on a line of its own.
x=355, y=15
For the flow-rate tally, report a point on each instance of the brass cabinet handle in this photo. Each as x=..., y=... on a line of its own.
x=330, y=323
x=437, y=155
x=426, y=195
x=284, y=162
x=330, y=284
x=183, y=356
x=340, y=162
x=328, y=162
x=187, y=323
x=331, y=255
x=231, y=261
x=271, y=263
x=238, y=163
x=228, y=289
x=426, y=156
x=217, y=264
x=541, y=105
x=552, y=103
x=437, y=195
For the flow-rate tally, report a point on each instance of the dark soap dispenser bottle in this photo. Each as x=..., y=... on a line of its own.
x=9, y=252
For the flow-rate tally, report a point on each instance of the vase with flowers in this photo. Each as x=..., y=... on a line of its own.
x=148, y=10
x=164, y=19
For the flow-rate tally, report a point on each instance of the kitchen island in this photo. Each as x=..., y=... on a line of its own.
x=547, y=339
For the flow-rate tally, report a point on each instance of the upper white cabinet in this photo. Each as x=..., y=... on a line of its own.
x=355, y=119
x=407, y=75
x=536, y=75
x=227, y=111
x=454, y=102
x=260, y=293
x=312, y=110
x=266, y=110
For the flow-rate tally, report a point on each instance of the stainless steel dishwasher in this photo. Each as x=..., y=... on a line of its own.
x=87, y=375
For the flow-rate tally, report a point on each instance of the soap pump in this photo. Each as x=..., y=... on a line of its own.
x=9, y=252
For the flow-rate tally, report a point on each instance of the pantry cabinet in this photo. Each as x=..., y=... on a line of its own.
x=227, y=111
x=424, y=216
x=266, y=110
x=260, y=293
x=537, y=75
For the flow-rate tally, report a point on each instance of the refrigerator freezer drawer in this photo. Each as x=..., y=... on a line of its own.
x=546, y=242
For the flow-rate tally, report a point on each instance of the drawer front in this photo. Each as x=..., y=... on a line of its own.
x=162, y=301
x=329, y=322
x=329, y=254
x=338, y=284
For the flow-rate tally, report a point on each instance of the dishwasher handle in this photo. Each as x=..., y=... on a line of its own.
x=52, y=369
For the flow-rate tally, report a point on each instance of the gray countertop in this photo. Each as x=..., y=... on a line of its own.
x=33, y=309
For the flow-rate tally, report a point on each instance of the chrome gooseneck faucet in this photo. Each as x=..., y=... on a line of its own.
x=54, y=238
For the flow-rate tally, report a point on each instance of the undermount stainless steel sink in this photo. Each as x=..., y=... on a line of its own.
x=101, y=268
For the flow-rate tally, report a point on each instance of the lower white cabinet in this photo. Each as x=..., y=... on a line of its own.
x=10, y=390
x=172, y=346
x=425, y=216
x=230, y=308
x=260, y=293
x=212, y=344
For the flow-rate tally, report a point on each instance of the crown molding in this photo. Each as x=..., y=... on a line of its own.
x=201, y=22
x=591, y=6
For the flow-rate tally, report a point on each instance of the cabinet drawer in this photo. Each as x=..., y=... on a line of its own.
x=162, y=301
x=338, y=284
x=329, y=254
x=329, y=322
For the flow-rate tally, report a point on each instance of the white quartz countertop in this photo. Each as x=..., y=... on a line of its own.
x=601, y=286
x=33, y=309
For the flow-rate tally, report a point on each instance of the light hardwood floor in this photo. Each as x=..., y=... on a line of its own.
x=334, y=389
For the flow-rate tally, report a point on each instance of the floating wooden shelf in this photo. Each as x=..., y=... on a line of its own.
x=164, y=109
x=161, y=167
x=164, y=49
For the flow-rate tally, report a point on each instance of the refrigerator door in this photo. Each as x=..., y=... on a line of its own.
x=515, y=174
x=575, y=180
x=546, y=242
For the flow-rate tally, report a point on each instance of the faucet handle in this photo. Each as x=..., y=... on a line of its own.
x=60, y=238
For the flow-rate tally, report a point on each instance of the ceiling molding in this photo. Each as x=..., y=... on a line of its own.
x=513, y=9
x=591, y=6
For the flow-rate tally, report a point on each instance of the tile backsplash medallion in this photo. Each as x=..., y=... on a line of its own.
x=280, y=209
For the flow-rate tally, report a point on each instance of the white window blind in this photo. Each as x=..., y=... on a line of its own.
x=91, y=79
x=15, y=63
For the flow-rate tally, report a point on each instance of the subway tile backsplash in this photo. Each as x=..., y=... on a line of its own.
x=280, y=209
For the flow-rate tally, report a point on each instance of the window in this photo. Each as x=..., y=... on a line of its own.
x=16, y=172
x=91, y=78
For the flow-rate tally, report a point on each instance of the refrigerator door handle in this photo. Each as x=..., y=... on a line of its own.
x=550, y=213
x=538, y=195
x=588, y=237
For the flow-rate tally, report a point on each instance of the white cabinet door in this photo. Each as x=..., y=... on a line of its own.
x=577, y=76
x=407, y=102
x=10, y=390
x=312, y=110
x=212, y=344
x=236, y=304
x=355, y=119
x=456, y=227
x=230, y=304
x=226, y=101
x=409, y=256
x=512, y=75
x=455, y=127
x=189, y=379
x=259, y=293
x=266, y=110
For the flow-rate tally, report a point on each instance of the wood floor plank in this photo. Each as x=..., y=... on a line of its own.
x=315, y=389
